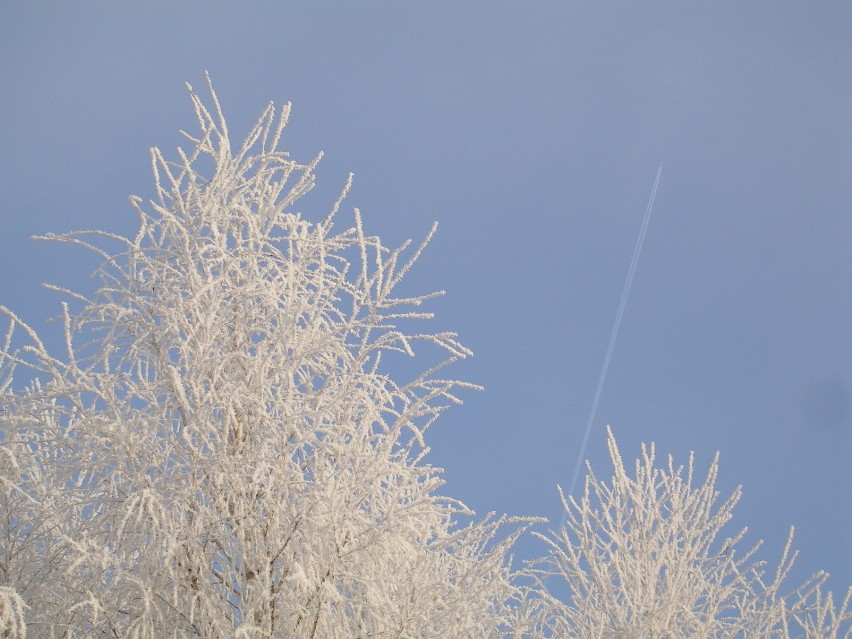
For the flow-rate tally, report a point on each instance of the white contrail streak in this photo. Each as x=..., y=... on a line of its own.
x=614, y=335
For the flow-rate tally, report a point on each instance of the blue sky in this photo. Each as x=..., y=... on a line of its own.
x=532, y=133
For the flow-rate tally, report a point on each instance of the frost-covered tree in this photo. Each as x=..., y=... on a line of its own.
x=641, y=557
x=224, y=449
x=220, y=450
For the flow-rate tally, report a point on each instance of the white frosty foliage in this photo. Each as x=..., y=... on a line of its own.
x=641, y=558
x=12, y=608
x=221, y=452
x=227, y=456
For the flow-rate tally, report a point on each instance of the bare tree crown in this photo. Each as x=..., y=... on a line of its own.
x=228, y=454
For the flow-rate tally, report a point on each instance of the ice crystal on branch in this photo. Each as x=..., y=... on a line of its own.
x=12, y=614
x=227, y=455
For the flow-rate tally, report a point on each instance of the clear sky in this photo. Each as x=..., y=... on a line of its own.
x=531, y=131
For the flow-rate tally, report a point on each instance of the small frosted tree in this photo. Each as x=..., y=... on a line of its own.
x=224, y=454
x=641, y=558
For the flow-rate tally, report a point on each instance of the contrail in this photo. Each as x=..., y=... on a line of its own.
x=614, y=335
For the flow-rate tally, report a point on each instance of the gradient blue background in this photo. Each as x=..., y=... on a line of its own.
x=532, y=133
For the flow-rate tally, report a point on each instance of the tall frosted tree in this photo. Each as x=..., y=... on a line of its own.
x=220, y=450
